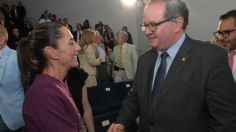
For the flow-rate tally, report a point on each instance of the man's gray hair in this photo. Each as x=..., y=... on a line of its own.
x=124, y=34
x=175, y=8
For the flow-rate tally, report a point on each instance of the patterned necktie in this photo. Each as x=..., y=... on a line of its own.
x=159, y=79
x=120, y=59
x=231, y=58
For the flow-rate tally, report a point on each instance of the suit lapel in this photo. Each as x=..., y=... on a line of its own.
x=151, y=62
x=182, y=57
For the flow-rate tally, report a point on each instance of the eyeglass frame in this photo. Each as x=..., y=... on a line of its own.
x=155, y=25
x=224, y=33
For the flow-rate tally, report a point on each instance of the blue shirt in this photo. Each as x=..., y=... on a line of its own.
x=172, y=51
x=11, y=90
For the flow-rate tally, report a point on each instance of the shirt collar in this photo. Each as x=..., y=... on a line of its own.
x=123, y=45
x=172, y=51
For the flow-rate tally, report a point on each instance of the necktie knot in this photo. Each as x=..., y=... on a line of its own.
x=163, y=65
x=232, y=53
x=164, y=55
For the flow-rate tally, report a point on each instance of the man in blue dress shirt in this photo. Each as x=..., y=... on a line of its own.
x=11, y=91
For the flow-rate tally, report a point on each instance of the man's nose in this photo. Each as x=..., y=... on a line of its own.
x=220, y=37
x=147, y=31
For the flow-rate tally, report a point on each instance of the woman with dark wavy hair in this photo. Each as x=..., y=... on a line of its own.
x=44, y=59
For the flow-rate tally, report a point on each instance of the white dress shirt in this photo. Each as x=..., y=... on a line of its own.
x=234, y=68
x=102, y=54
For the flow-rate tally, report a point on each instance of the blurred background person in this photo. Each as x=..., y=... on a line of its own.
x=66, y=23
x=21, y=12
x=109, y=37
x=78, y=32
x=59, y=20
x=86, y=24
x=101, y=74
x=89, y=57
x=2, y=17
x=226, y=37
x=44, y=19
x=99, y=28
x=76, y=82
x=14, y=38
x=124, y=58
x=54, y=18
x=129, y=40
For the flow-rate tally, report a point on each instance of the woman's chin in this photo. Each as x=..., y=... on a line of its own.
x=75, y=64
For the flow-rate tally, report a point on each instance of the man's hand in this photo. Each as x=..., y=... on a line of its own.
x=116, y=128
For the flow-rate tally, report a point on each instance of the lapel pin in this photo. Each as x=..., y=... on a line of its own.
x=183, y=59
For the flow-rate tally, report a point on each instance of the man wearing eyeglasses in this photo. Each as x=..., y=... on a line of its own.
x=124, y=59
x=226, y=36
x=181, y=84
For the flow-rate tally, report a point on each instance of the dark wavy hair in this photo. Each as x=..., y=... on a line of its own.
x=229, y=14
x=30, y=53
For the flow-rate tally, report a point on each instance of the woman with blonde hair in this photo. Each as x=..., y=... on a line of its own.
x=88, y=56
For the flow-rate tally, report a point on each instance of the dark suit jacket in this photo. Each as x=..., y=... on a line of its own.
x=75, y=36
x=199, y=93
x=130, y=40
x=75, y=80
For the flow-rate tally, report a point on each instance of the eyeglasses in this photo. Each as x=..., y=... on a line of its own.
x=153, y=26
x=225, y=33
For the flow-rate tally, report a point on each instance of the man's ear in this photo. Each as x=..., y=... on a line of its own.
x=179, y=23
x=50, y=52
x=3, y=38
x=2, y=41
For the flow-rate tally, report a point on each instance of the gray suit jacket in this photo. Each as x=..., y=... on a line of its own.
x=11, y=90
x=198, y=94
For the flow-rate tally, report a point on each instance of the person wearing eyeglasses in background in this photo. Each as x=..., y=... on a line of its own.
x=226, y=37
x=181, y=84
